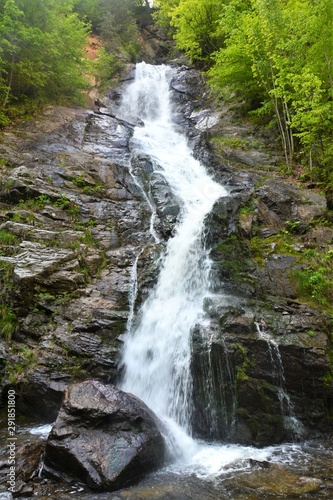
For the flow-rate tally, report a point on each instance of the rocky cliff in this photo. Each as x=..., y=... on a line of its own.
x=74, y=217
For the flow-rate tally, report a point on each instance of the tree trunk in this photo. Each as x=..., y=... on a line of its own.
x=10, y=81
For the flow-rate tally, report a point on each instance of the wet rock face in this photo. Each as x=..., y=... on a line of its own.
x=260, y=388
x=103, y=437
x=74, y=218
x=74, y=204
x=27, y=467
x=276, y=480
x=265, y=352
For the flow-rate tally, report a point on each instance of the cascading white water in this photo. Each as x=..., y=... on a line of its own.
x=157, y=349
x=287, y=409
x=157, y=353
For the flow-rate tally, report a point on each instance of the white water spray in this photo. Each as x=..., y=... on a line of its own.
x=157, y=350
x=290, y=421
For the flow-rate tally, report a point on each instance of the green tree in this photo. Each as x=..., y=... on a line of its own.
x=116, y=22
x=14, y=36
x=42, y=46
x=163, y=13
x=90, y=12
x=278, y=56
x=274, y=55
x=63, y=56
x=196, y=24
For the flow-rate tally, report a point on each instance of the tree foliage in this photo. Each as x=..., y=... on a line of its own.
x=196, y=23
x=43, y=43
x=277, y=56
x=117, y=23
x=41, y=52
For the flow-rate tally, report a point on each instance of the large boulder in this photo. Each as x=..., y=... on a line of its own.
x=103, y=437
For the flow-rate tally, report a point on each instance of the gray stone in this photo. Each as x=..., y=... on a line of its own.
x=103, y=437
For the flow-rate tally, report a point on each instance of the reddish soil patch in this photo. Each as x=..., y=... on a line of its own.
x=93, y=46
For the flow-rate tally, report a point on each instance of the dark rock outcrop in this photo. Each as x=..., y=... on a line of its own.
x=74, y=218
x=103, y=437
x=259, y=379
x=266, y=352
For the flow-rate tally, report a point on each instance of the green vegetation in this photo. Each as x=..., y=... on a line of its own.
x=311, y=333
x=7, y=238
x=243, y=364
x=312, y=269
x=41, y=58
x=8, y=318
x=88, y=187
x=43, y=44
x=26, y=358
x=275, y=57
x=316, y=282
x=43, y=200
x=229, y=251
x=223, y=142
x=8, y=321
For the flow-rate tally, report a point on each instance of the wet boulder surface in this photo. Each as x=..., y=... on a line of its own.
x=103, y=437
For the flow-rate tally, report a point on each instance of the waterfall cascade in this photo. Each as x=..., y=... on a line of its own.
x=157, y=350
x=287, y=408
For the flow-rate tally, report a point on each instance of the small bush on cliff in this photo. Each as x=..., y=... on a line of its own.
x=7, y=238
x=8, y=322
x=316, y=284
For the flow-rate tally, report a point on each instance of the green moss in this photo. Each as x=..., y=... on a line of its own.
x=88, y=238
x=46, y=296
x=247, y=208
x=62, y=202
x=6, y=274
x=87, y=186
x=243, y=364
x=79, y=181
x=96, y=189
x=17, y=218
x=35, y=203
x=75, y=369
x=7, y=185
x=25, y=359
x=262, y=181
x=231, y=143
x=315, y=278
x=292, y=226
x=311, y=333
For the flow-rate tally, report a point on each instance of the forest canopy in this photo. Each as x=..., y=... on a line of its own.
x=41, y=51
x=43, y=43
x=273, y=56
x=276, y=56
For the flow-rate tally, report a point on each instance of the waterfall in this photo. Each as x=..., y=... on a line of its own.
x=157, y=350
x=213, y=386
x=156, y=356
x=287, y=409
x=133, y=290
